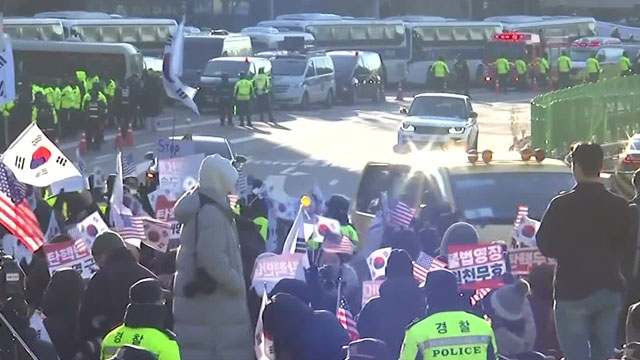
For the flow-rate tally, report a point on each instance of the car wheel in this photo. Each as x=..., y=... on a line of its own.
x=304, y=104
x=329, y=101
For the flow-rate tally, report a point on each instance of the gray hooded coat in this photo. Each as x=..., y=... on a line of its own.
x=214, y=326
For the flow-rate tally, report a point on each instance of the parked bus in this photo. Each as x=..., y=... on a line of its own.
x=269, y=39
x=572, y=26
x=61, y=59
x=34, y=29
x=431, y=40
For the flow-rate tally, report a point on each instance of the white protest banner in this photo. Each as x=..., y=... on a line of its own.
x=36, y=161
x=88, y=229
x=166, y=148
x=370, y=289
x=268, y=270
x=165, y=213
x=157, y=234
x=523, y=260
x=36, y=322
x=478, y=266
x=179, y=174
x=377, y=262
x=72, y=184
x=7, y=72
x=70, y=254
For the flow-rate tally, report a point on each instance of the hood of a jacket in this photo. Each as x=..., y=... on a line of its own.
x=121, y=255
x=145, y=316
x=189, y=205
x=404, y=290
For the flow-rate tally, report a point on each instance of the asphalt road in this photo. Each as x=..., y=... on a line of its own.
x=328, y=147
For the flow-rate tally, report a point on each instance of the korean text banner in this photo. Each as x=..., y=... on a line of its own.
x=478, y=266
x=524, y=260
x=70, y=254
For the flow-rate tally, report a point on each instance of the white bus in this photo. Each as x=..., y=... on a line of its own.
x=546, y=26
x=61, y=59
x=432, y=40
x=34, y=29
x=269, y=39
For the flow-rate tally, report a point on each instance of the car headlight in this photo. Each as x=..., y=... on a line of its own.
x=456, y=130
x=408, y=127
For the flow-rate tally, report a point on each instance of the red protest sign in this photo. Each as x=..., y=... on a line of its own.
x=477, y=266
x=166, y=213
x=524, y=260
x=73, y=254
x=370, y=289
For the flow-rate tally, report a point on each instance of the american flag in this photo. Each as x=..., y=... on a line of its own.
x=345, y=318
x=402, y=214
x=344, y=246
x=424, y=264
x=233, y=200
x=128, y=166
x=81, y=246
x=479, y=295
x=521, y=213
x=134, y=228
x=15, y=213
x=242, y=185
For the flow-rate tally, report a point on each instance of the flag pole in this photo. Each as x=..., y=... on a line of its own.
x=339, y=294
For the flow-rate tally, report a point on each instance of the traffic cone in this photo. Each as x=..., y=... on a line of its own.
x=82, y=147
x=496, y=86
x=128, y=138
x=399, y=95
x=119, y=140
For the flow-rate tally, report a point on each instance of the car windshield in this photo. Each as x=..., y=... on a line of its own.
x=231, y=68
x=199, y=50
x=439, y=106
x=344, y=64
x=580, y=54
x=635, y=144
x=494, y=197
x=288, y=67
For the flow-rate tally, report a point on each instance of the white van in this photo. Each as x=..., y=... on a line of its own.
x=302, y=79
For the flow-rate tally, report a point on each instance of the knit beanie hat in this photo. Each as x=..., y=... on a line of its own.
x=106, y=243
x=217, y=174
x=460, y=233
x=145, y=291
x=508, y=302
x=399, y=264
x=441, y=288
x=295, y=287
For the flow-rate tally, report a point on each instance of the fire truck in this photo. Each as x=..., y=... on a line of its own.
x=527, y=46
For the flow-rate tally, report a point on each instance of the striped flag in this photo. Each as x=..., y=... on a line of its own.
x=242, y=184
x=345, y=318
x=134, y=228
x=128, y=166
x=15, y=213
x=341, y=245
x=233, y=200
x=402, y=215
x=479, y=295
x=424, y=264
x=81, y=246
x=521, y=212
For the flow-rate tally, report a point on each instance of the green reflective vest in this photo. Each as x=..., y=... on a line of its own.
x=502, y=66
x=440, y=69
x=261, y=84
x=37, y=111
x=543, y=66
x=564, y=64
x=243, y=90
x=625, y=64
x=67, y=98
x=350, y=232
x=593, y=65
x=110, y=89
x=87, y=98
x=162, y=344
x=263, y=224
x=6, y=108
x=57, y=97
x=452, y=335
x=521, y=67
x=49, y=93
x=77, y=97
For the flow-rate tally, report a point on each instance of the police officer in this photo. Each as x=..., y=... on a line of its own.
x=66, y=107
x=440, y=70
x=625, y=64
x=143, y=324
x=44, y=114
x=543, y=70
x=593, y=68
x=462, y=74
x=110, y=93
x=503, y=66
x=242, y=93
x=225, y=100
x=448, y=331
x=94, y=106
x=564, y=70
x=262, y=87
x=522, y=69
x=76, y=112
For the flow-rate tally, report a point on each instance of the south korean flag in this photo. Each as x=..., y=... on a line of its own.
x=37, y=161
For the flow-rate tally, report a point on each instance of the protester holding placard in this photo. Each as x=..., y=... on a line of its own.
x=460, y=233
x=401, y=301
x=210, y=306
x=586, y=230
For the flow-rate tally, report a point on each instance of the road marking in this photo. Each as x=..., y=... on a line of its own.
x=333, y=182
x=242, y=139
x=289, y=171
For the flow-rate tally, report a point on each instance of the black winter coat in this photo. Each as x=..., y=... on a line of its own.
x=107, y=295
x=385, y=317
